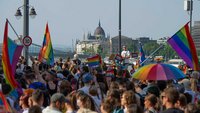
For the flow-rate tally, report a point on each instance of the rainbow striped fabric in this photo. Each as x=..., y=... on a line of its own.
x=10, y=56
x=4, y=102
x=94, y=61
x=184, y=46
x=46, y=52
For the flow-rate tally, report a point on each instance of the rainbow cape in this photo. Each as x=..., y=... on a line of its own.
x=184, y=46
x=46, y=52
x=94, y=61
x=10, y=56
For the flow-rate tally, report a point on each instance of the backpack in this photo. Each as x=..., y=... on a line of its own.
x=141, y=99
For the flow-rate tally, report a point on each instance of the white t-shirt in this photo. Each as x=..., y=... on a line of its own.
x=50, y=110
x=125, y=55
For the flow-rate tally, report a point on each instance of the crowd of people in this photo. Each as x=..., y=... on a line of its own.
x=72, y=87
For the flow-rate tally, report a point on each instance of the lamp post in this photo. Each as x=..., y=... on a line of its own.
x=26, y=14
x=120, y=27
x=191, y=8
x=188, y=6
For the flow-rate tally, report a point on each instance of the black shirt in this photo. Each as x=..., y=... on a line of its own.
x=172, y=110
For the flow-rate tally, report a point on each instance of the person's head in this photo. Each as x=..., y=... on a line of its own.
x=188, y=97
x=71, y=101
x=93, y=90
x=35, y=109
x=122, y=86
x=113, y=95
x=106, y=107
x=124, y=47
x=182, y=102
x=195, y=75
x=150, y=101
x=6, y=88
x=37, y=97
x=65, y=87
x=191, y=108
x=50, y=75
x=25, y=98
x=68, y=104
x=29, y=77
x=87, y=78
x=134, y=108
x=85, y=101
x=170, y=96
x=114, y=85
x=58, y=101
x=154, y=90
x=85, y=69
x=194, y=83
x=127, y=98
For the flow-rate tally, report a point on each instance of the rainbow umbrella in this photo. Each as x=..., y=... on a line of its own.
x=158, y=72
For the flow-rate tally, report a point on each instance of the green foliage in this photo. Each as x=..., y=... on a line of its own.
x=150, y=47
x=167, y=52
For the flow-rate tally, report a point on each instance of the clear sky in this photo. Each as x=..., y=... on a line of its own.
x=69, y=19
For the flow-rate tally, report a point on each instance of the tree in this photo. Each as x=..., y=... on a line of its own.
x=149, y=48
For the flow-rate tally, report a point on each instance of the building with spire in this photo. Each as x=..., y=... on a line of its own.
x=93, y=44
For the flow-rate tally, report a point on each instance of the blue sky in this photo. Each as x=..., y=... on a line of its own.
x=69, y=19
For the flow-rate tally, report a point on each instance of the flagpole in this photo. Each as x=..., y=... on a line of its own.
x=191, y=8
x=120, y=45
x=152, y=54
x=14, y=31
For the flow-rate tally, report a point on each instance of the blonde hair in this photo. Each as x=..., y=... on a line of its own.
x=194, y=84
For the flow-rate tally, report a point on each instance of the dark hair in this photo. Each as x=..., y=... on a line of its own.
x=182, y=100
x=107, y=106
x=188, y=97
x=152, y=98
x=134, y=108
x=129, y=97
x=191, y=108
x=37, y=95
x=65, y=87
x=172, y=94
x=35, y=109
x=29, y=76
x=85, y=68
x=6, y=88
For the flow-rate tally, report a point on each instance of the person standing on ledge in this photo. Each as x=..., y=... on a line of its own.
x=125, y=55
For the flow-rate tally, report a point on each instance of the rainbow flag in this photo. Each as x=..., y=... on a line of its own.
x=10, y=56
x=4, y=102
x=94, y=61
x=46, y=52
x=184, y=46
x=110, y=72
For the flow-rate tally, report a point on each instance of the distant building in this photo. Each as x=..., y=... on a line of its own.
x=129, y=43
x=196, y=34
x=125, y=41
x=92, y=44
x=162, y=40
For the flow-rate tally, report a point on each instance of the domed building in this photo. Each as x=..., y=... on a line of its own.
x=98, y=34
x=92, y=44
